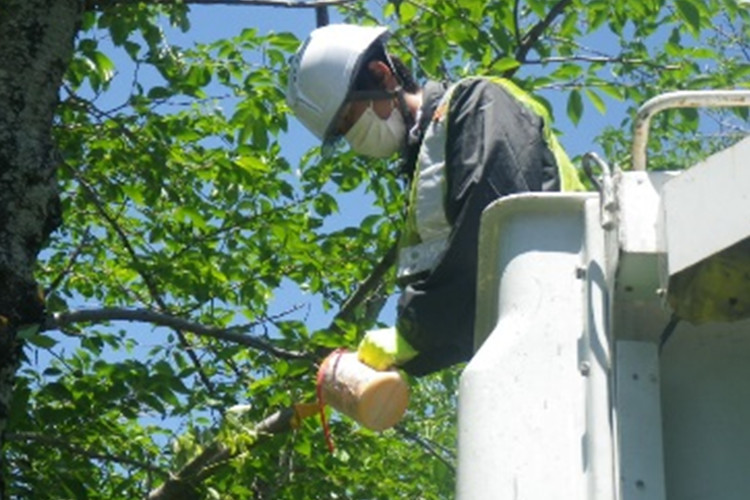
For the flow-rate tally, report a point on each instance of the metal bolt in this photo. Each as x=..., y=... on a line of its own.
x=580, y=272
x=585, y=368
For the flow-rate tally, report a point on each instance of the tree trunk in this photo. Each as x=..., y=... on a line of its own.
x=36, y=44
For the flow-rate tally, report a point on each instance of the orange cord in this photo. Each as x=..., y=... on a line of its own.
x=319, y=391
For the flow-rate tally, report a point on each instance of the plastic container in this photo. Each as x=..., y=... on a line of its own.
x=375, y=399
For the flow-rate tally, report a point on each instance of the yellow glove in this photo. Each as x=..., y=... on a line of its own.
x=382, y=349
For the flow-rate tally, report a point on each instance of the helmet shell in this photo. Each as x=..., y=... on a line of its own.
x=322, y=72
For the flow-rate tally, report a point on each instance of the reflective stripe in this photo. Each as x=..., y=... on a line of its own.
x=427, y=203
x=420, y=257
x=431, y=221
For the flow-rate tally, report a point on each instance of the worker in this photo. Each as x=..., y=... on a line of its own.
x=462, y=147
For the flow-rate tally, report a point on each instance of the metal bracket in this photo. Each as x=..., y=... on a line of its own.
x=606, y=189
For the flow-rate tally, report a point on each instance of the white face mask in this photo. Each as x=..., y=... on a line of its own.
x=376, y=137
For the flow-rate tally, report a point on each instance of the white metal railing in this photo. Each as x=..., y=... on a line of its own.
x=679, y=99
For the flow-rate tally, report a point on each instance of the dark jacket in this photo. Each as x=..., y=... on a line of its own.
x=495, y=146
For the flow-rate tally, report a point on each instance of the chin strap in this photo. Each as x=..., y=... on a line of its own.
x=370, y=95
x=409, y=121
x=404, y=109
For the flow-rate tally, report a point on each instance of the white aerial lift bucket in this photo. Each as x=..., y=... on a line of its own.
x=569, y=395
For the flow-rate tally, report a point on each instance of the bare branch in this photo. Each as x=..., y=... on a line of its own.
x=532, y=36
x=643, y=67
x=516, y=21
x=363, y=291
x=99, y=4
x=71, y=263
x=427, y=445
x=242, y=221
x=464, y=19
x=60, y=320
x=80, y=450
x=94, y=197
x=150, y=283
x=602, y=60
x=187, y=479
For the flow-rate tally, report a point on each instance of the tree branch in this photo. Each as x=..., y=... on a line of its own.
x=516, y=21
x=100, y=4
x=184, y=483
x=373, y=281
x=80, y=450
x=602, y=60
x=60, y=320
x=532, y=36
x=642, y=67
x=71, y=263
x=150, y=284
x=426, y=445
x=456, y=6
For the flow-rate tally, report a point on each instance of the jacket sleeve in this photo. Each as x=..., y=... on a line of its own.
x=495, y=147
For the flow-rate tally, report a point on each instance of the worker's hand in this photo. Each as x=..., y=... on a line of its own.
x=383, y=349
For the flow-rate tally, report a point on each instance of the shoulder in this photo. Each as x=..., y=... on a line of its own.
x=477, y=86
x=464, y=94
x=470, y=92
x=480, y=95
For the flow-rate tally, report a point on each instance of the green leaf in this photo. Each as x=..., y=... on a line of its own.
x=611, y=90
x=198, y=76
x=39, y=340
x=104, y=65
x=58, y=391
x=251, y=164
x=406, y=11
x=568, y=72
x=505, y=64
x=303, y=447
x=690, y=14
x=575, y=106
x=597, y=101
x=286, y=41
x=187, y=213
x=389, y=9
x=25, y=332
x=159, y=93
x=134, y=192
x=132, y=49
x=690, y=117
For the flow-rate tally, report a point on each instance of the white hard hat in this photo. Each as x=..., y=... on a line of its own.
x=322, y=72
